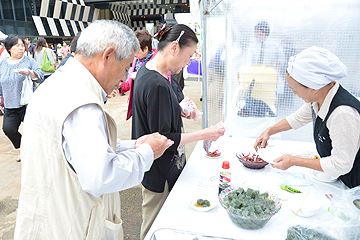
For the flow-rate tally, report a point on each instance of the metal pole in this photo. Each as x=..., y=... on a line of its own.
x=199, y=63
x=13, y=9
x=1, y=11
x=24, y=6
x=203, y=13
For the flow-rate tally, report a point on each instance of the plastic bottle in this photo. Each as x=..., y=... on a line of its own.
x=225, y=176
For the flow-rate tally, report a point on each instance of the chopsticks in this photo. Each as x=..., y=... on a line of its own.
x=297, y=211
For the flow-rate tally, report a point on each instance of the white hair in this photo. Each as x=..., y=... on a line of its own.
x=102, y=34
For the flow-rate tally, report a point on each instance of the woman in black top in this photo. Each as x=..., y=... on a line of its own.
x=156, y=109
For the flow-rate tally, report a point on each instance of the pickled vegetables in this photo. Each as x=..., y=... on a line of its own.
x=202, y=203
x=249, y=203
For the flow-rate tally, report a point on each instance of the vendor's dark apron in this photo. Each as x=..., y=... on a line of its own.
x=323, y=141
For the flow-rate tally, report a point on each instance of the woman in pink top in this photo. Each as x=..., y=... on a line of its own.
x=145, y=54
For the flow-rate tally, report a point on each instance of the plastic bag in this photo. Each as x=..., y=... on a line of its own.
x=341, y=223
x=345, y=214
x=188, y=106
x=27, y=91
x=305, y=233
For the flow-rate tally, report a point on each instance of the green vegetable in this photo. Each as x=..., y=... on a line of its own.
x=289, y=189
x=203, y=203
x=249, y=203
x=300, y=232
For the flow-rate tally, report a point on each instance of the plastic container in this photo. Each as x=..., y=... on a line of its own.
x=225, y=176
x=248, y=222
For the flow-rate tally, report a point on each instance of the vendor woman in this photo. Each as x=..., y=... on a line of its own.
x=312, y=75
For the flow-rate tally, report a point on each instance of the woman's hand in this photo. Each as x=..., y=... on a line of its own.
x=214, y=132
x=28, y=72
x=190, y=115
x=283, y=162
x=25, y=72
x=262, y=141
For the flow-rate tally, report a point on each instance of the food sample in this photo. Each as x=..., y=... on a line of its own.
x=215, y=153
x=249, y=203
x=251, y=158
x=202, y=203
x=289, y=189
x=300, y=232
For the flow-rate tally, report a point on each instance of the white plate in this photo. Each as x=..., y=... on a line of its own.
x=310, y=207
x=214, y=157
x=213, y=203
x=18, y=70
x=322, y=177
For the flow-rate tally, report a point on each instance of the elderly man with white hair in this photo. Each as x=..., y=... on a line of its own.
x=73, y=165
x=312, y=75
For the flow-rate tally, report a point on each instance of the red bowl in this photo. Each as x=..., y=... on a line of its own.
x=250, y=164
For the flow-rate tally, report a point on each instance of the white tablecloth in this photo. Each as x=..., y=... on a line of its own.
x=177, y=213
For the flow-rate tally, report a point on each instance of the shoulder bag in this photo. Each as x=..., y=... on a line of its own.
x=46, y=64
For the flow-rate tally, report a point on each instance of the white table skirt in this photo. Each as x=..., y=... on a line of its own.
x=177, y=213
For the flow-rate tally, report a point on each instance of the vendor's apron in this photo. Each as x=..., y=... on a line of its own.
x=323, y=141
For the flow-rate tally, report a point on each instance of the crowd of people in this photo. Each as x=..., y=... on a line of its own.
x=95, y=65
x=20, y=59
x=73, y=162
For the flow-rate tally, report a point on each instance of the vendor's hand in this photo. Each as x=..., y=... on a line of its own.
x=157, y=142
x=112, y=94
x=262, y=141
x=283, y=162
x=214, y=132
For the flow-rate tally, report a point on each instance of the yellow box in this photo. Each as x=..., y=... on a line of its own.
x=264, y=85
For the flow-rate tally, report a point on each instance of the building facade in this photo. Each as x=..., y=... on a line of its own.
x=63, y=19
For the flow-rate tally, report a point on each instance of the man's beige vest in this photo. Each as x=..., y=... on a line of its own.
x=52, y=205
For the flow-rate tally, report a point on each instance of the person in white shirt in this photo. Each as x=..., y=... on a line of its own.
x=312, y=75
x=265, y=50
x=73, y=165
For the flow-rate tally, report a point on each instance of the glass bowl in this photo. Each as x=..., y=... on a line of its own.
x=249, y=222
x=250, y=164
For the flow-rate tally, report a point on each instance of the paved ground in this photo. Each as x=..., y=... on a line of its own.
x=131, y=199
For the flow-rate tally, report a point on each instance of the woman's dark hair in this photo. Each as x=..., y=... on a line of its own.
x=180, y=32
x=40, y=43
x=144, y=38
x=73, y=43
x=12, y=40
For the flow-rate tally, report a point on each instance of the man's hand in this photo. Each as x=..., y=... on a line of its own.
x=112, y=94
x=157, y=142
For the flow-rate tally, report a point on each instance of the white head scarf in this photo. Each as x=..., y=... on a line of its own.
x=316, y=67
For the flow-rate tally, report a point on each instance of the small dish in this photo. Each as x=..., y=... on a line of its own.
x=18, y=70
x=213, y=203
x=214, y=157
x=322, y=177
x=310, y=206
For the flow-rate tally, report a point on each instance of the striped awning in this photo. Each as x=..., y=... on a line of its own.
x=68, y=18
